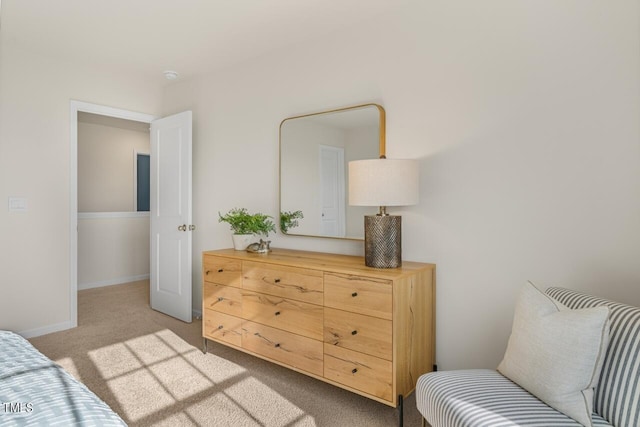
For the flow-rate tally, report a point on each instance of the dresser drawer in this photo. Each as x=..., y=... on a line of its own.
x=360, y=371
x=282, y=313
x=288, y=282
x=225, y=299
x=285, y=347
x=363, y=295
x=224, y=271
x=358, y=332
x=222, y=327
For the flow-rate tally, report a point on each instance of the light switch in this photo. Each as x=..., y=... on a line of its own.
x=17, y=204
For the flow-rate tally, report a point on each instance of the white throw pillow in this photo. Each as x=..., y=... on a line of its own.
x=556, y=353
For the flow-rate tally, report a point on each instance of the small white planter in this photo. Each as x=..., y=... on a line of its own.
x=241, y=241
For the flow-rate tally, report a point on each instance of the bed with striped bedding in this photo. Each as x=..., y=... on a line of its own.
x=34, y=391
x=485, y=398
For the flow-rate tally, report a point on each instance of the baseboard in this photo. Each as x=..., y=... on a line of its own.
x=36, y=332
x=117, y=281
x=31, y=333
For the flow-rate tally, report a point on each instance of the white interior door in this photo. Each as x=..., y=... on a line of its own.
x=171, y=226
x=332, y=214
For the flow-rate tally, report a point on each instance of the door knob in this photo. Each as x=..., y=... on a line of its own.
x=192, y=227
x=182, y=227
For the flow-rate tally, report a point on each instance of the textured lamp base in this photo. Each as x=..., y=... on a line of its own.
x=382, y=241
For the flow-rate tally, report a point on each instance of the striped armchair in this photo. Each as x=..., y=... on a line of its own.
x=485, y=398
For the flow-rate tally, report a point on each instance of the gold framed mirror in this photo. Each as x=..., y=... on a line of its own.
x=315, y=150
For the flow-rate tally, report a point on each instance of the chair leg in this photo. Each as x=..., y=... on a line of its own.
x=424, y=422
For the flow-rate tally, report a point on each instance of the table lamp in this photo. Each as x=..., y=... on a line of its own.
x=383, y=182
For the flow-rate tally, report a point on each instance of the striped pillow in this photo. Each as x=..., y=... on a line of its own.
x=617, y=396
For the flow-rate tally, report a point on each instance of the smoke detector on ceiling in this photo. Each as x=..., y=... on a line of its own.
x=170, y=75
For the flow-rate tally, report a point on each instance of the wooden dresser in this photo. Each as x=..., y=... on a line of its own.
x=367, y=330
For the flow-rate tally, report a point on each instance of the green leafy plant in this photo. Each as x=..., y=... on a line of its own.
x=289, y=220
x=242, y=222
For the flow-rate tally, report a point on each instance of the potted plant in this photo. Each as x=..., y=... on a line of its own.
x=289, y=219
x=245, y=226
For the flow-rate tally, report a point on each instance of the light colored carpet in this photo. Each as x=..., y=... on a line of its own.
x=150, y=369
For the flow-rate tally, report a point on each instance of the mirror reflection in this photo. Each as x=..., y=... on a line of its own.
x=315, y=150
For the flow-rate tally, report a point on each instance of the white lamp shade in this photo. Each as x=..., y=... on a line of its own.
x=383, y=182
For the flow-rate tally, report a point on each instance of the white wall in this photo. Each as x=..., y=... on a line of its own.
x=106, y=154
x=112, y=249
x=35, y=94
x=524, y=115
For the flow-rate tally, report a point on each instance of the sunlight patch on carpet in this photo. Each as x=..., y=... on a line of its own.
x=114, y=360
x=180, y=378
x=215, y=368
x=229, y=412
x=140, y=394
x=263, y=404
x=180, y=419
x=150, y=348
x=151, y=374
x=219, y=410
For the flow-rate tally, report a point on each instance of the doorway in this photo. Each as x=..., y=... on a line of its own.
x=75, y=108
x=113, y=216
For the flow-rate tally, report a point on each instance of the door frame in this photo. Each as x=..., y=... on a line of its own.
x=76, y=107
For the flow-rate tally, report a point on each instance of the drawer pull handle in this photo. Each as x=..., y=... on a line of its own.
x=355, y=294
x=277, y=345
x=277, y=313
x=220, y=270
x=354, y=370
x=220, y=299
x=277, y=280
x=220, y=327
x=206, y=273
x=354, y=332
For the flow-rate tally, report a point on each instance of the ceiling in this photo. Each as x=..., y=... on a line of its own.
x=192, y=37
